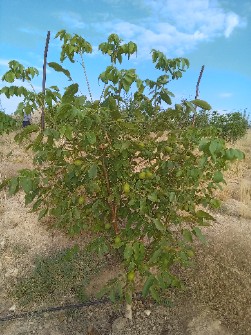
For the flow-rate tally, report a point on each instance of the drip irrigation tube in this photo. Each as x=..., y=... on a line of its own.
x=14, y=316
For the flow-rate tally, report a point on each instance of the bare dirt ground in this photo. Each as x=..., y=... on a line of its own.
x=217, y=297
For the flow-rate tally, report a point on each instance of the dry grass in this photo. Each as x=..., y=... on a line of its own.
x=245, y=193
x=238, y=179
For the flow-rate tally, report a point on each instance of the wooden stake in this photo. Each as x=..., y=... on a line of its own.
x=44, y=78
x=197, y=88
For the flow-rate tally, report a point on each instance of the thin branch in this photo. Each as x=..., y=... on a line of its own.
x=44, y=78
x=86, y=77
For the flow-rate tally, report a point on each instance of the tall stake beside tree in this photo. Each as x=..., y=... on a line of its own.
x=197, y=88
x=44, y=76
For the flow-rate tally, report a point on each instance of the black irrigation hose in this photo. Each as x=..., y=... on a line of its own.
x=138, y=296
x=54, y=309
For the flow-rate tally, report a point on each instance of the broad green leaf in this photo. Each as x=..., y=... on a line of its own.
x=112, y=295
x=69, y=93
x=119, y=290
x=26, y=184
x=153, y=197
x=29, y=197
x=215, y=203
x=91, y=137
x=154, y=293
x=202, y=104
x=9, y=77
x=57, y=67
x=166, y=98
x=13, y=185
x=198, y=233
x=132, y=47
x=139, y=251
x=155, y=256
x=218, y=177
x=37, y=204
x=172, y=196
x=238, y=154
x=42, y=213
x=149, y=282
x=68, y=132
x=143, y=206
x=128, y=251
x=159, y=225
x=190, y=106
x=204, y=215
x=215, y=146
x=93, y=171
x=187, y=235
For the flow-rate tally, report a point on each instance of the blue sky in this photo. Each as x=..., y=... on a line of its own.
x=214, y=33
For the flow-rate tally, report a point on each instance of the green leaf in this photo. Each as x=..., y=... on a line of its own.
x=42, y=213
x=9, y=77
x=91, y=137
x=165, y=97
x=197, y=232
x=153, y=197
x=26, y=184
x=13, y=185
x=69, y=93
x=218, y=177
x=128, y=251
x=202, y=104
x=154, y=293
x=172, y=196
x=68, y=132
x=190, y=106
x=159, y=225
x=149, y=282
x=37, y=204
x=237, y=154
x=155, y=256
x=215, y=203
x=132, y=47
x=215, y=146
x=204, y=215
x=187, y=235
x=139, y=250
x=112, y=295
x=93, y=171
x=57, y=67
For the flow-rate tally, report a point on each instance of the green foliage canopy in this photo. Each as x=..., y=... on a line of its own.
x=113, y=167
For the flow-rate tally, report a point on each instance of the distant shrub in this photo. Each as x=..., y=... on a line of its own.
x=7, y=123
x=231, y=126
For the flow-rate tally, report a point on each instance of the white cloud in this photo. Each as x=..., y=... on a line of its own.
x=71, y=19
x=32, y=31
x=175, y=27
x=232, y=21
x=225, y=95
